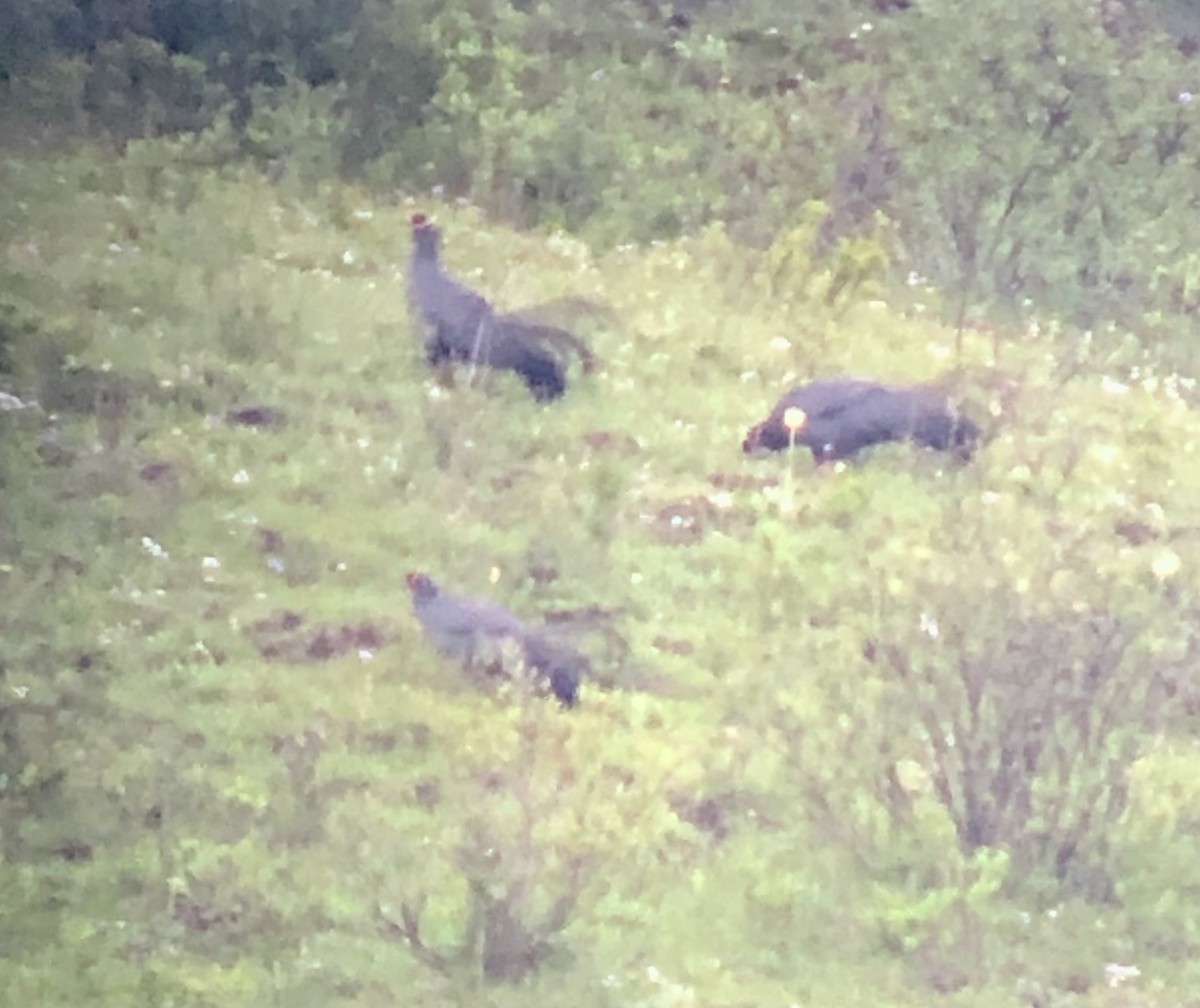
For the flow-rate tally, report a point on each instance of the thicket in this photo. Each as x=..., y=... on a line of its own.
x=854, y=737
x=1030, y=155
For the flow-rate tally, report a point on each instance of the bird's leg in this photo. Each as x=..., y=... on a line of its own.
x=826, y=462
x=436, y=349
x=477, y=348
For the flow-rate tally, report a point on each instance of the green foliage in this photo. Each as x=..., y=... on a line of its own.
x=389, y=76
x=1021, y=156
x=135, y=88
x=854, y=735
x=292, y=131
x=1033, y=178
x=1156, y=890
x=31, y=34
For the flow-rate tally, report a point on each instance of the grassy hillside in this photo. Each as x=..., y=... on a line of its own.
x=858, y=735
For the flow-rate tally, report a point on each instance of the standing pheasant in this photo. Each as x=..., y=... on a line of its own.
x=460, y=324
x=474, y=632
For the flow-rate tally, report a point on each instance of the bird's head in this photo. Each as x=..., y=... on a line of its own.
x=421, y=585
x=426, y=238
x=767, y=436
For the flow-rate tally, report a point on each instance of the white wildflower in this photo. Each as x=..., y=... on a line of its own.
x=1166, y=565
x=153, y=548
x=1115, y=974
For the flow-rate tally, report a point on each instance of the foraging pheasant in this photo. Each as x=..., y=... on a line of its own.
x=474, y=631
x=837, y=417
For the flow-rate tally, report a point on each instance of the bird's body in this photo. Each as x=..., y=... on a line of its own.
x=469, y=630
x=461, y=325
x=477, y=632
x=837, y=417
x=445, y=303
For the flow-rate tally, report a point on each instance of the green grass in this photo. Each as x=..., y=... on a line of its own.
x=253, y=807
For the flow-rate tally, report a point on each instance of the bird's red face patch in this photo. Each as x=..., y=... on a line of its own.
x=419, y=221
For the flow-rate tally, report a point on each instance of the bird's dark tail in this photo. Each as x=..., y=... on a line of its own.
x=558, y=663
x=946, y=430
x=567, y=311
x=539, y=353
x=561, y=342
x=542, y=371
